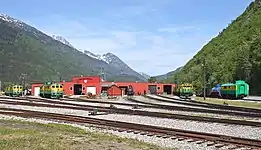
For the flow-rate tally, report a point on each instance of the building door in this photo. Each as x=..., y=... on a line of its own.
x=167, y=89
x=124, y=89
x=152, y=89
x=91, y=89
x=77, y=89
x=36, y=91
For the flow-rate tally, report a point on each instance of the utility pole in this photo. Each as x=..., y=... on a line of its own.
x=103, y=76
x=1, y=71
x=59, y=76
x=23, y=80
x=204, y=78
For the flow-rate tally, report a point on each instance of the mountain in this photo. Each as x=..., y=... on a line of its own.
x=96, y=56
x=167, y=75
x=61, y=39
x=235, y=53
x=144, y=75
x=29, y=54
x=114, y=61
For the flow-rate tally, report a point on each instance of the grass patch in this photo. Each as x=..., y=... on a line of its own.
x=16, y=134
x=248, y=104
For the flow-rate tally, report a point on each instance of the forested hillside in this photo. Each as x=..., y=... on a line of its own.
x=28, y=54
x=234, y=54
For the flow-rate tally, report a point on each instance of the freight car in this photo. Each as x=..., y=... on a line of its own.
x=237, y=90
x=14, y=90
x=51, y=90
x=184, y=90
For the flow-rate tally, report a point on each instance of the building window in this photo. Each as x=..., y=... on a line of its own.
x=70, y=88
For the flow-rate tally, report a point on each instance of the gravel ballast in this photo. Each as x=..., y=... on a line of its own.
x=152, y=101
x=232, y=130
x=143, y=109
x=169, y=143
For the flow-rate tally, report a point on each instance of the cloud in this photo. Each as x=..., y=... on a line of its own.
x=147, y=50
x=177, y=29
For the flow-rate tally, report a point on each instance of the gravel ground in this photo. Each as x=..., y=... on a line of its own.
x=144, y=99
x=140, y=98
x=96, y=104
x=185, y=101
x=71, y=102
x=233, y=130
x=13, y=100
x=151, y=109
x=119, y=100
x=170, y=143
x=201, y=114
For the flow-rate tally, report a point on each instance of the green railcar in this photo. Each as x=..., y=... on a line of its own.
x=184, y=90
x=51, y=90
x=14, y=90
x=237, y=90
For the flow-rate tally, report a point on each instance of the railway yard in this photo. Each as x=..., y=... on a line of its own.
x=165, y=121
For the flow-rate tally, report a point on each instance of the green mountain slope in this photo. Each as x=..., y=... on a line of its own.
x=26, y=50
x=234, y=54
x=167, y=75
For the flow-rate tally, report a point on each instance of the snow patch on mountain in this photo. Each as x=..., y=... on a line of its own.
x=105, y=57
x=61, y=39
x=9, y=19
x=144, y=75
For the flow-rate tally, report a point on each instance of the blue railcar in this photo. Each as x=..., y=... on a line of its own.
x=215, y=91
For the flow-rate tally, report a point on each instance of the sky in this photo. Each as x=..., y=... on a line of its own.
x=151, y=36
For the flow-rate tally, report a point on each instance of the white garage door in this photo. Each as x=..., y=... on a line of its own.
x=36, y=91
x=91, y=89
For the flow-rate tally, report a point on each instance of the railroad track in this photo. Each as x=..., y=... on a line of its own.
x=191, y=109
x=150, y=105
x=191, y=136
x=203, y=104
x=107, y=110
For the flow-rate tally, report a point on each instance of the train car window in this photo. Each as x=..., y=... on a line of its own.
x=83, y=88
x=70, y=88
x=57, y=86
x=61, y=86
x=53, y=86
x=158, y=88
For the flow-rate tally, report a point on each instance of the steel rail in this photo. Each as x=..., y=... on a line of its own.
x=108, y=110
x=126, y=126
x=208, y=105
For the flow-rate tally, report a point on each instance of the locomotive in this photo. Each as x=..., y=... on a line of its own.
x=215, y=91
x=14, y=90
x=184, y=90
x=51, y=90
x=130, y=90
x=237, y=90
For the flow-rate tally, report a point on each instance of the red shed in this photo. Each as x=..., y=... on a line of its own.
x=114, y=91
